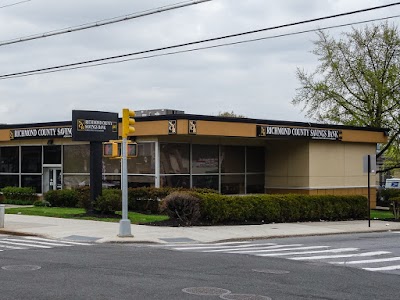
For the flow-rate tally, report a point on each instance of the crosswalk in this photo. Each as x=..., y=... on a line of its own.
x=31, y=242
x=375, y=261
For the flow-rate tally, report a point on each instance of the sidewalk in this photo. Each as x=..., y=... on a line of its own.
x=103, y=232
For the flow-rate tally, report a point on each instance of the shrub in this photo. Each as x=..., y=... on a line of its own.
x=217, y=208
x=41, y=203
x=19, y=195
x=395, y=204
x=183, y=207
x=62, y=198
x=109, y=202
x=83, y=195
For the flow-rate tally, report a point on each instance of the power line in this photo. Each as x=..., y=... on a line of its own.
x=16, y=3
x=89, y=63
x=201, y=48
x=102, y=22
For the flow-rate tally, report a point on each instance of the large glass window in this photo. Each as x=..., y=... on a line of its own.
x=52, y=154
x=141, y=181
x=31, y=159
x=9, y=180
x=111, y=165
x=255, y=183
x=205, y=181
x=144, y=163
x=175, y=181
x=174, y=158
x=232, y=159
x=76, y=159
x=204, y=159
x=33, y=181
x=9, y=159
x=255, y=159
x=232, y=184
x=75, y=181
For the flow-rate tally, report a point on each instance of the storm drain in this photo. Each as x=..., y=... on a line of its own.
x=244, y=297
x=206, y=291
x=268, y=271
x=222, y=293
x=21, y=268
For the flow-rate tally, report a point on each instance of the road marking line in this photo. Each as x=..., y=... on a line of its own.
x=39, y=242
x=311, y=252
x=11, y=247
x=281, y=249
x=58, y=241
x=341, y=256
x=368, y=261
x=389, y=268
x=201, y=244
x=25, y=244
x=255, y=247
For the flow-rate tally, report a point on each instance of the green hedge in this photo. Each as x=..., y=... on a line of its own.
x=18, y=195
x=216, y=208
x=62, y=198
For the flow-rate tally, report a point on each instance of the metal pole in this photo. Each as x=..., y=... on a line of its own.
x=124, y=223
x=369, y=191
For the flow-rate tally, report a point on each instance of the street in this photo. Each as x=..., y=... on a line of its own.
x=85, y=270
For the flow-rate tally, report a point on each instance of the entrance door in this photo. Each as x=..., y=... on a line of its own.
x=52, y=179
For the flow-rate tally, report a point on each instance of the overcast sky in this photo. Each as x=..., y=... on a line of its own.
x=254, y=79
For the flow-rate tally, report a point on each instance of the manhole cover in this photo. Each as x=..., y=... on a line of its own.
x=21, y=268
x=267, y=271
x=206, y=291
x=244, y=297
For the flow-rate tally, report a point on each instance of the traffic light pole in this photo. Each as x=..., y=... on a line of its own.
x=124, y=223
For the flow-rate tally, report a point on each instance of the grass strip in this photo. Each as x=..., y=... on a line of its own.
x=79, y=213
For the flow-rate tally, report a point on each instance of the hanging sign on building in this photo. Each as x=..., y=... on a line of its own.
x=41, y=133
x=298, y=132
x=94, y=126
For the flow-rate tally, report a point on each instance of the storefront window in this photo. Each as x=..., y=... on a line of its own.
x=77, y=159
x=255, y=159
x=9, y=159
x=9, y=180
x=111, y=182
x=204, y=159
x=255, y=184
x=33, y=181
x=141, y=181
x=174, y=158
x=52, y=154
x=205, y=181
x=111, y=165
x=144, y=163
x=175, y=181
x=232, y=184
x=31, y=159
x=75, y=181
x=232, y=159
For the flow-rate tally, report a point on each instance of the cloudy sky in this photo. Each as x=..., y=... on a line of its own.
x=255, y=79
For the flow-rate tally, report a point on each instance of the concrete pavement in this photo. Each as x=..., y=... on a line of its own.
x=103, y=232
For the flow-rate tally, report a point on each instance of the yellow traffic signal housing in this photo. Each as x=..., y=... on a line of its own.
x=127, y=122
x=110, y=149
x=132, y=150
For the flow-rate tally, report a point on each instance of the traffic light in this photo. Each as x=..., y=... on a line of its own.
x=127, y=122
x=110, y=149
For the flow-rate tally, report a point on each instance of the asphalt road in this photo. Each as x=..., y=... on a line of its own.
x=61, y=270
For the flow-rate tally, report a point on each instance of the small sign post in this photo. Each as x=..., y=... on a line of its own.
x=369, y=166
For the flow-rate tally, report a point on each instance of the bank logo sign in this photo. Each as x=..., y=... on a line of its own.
x=41, y=133
x=96, y=126
x=298, y=132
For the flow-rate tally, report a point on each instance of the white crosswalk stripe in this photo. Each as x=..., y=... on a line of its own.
x=298, y=252
x=23, y=243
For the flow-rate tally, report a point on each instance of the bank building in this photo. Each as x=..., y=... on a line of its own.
x=230, y=155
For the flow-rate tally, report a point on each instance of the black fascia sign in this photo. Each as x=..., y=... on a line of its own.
x=94, y=126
